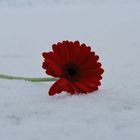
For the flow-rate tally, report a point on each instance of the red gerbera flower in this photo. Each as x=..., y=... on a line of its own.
x=76, y=66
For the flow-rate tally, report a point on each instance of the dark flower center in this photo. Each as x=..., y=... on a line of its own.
x=72, y=71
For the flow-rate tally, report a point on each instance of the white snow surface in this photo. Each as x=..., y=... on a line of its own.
x=32, y=3
x=111, y=113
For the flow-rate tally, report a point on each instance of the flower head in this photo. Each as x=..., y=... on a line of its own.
x=75, y=65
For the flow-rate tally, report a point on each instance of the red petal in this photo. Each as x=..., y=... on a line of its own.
x=84, y=88
x=66, y=51
x=54, y=70
x=63, y=85
x=51, y=57
x=58, y=86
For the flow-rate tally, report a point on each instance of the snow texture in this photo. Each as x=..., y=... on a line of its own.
x=112, y=113
x=32, y=3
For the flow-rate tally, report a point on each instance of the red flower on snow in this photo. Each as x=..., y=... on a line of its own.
x=76, y=66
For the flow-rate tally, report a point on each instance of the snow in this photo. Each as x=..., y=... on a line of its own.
x=34, y=3
x=112, y=113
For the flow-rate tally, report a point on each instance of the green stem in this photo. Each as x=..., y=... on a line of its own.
x=8, y=77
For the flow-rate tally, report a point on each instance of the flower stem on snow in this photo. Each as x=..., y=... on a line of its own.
x=8, y=77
